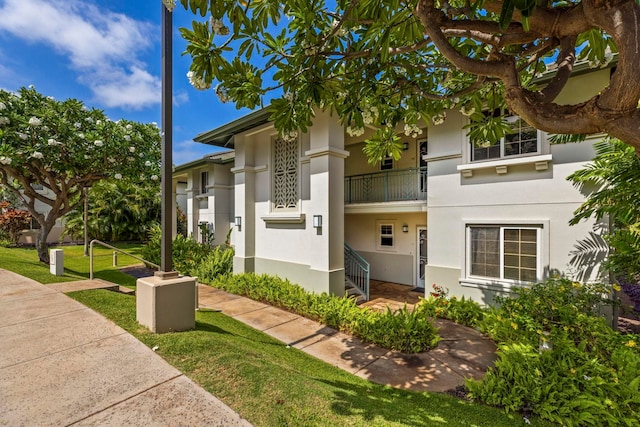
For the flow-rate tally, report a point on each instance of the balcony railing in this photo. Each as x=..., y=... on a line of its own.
x=386, y=186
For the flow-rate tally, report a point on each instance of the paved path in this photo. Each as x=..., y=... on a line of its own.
x=63, y=364
x=462, y=352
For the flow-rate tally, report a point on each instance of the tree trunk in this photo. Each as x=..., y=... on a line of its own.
x=41, y=243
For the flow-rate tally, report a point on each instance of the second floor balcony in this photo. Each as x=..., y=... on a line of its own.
x=386, y=186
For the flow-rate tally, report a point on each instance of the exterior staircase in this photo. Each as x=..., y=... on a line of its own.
x=356, y=275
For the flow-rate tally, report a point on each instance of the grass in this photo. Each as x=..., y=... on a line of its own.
x=24, y=261
x=266, y=382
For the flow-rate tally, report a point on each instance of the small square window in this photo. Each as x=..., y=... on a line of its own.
x=386, y=164
x=386, y=236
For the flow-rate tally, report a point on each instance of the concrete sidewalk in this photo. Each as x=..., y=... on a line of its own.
x=63, y=364
x=462, y=352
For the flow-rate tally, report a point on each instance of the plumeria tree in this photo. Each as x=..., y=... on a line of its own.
x=51, y=150
x=385, y=62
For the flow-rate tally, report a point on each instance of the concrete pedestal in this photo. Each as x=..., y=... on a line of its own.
x=166, y=305
x=56, y=262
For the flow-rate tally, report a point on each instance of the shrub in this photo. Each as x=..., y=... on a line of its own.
x=404, y=330
x=188, y=254
x=218, y=262
x=460, y=310
x=13, y=221
x=585, y=374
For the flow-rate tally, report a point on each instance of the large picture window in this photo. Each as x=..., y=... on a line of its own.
x=285, y=174
x=521, y=140
x=504, y=252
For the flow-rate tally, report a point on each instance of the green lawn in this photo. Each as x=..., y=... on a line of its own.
x=259, y=377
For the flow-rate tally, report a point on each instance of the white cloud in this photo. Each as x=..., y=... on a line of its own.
x=102, y=46
x=180, y=97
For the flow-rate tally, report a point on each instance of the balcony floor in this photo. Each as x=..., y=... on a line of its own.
x=393, y=295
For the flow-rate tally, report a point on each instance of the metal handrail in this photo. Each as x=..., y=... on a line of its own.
x=106, y=245
x=357, y=270
x=387, y=186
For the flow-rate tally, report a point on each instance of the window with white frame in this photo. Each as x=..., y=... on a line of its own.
x=504, y=252
x=285, y=174
x=385, y=236
x=521, y=140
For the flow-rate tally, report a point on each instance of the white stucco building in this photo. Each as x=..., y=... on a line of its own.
x=475, y=219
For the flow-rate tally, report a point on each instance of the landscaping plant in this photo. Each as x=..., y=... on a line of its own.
x=460, y=310
x=559, y=359
x=409, y=331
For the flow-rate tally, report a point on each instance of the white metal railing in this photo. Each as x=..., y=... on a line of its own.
x=106, y=245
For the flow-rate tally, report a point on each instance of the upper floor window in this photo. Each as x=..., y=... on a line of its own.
x=204, y=181
x=285, y=174
x=386, y=164
x=521, y=140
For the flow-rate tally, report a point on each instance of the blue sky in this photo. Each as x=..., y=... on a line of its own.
x=107, y=54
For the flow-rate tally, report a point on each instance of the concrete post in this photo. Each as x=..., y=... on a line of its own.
x=166, y=305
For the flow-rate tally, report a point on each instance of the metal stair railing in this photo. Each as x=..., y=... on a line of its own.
x=106, y=245
x=356, y=270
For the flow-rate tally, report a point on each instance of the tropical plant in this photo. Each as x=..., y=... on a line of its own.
x=119, y=210
x=13, y=221
x=381, y=63
x=65, y=147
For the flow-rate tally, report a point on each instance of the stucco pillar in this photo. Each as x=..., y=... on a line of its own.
x=326, y=153
x=192, y=204
x=174, y=208
x=244, y=207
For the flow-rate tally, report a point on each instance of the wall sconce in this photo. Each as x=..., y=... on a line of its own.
x=238, y=222
x=317, y=221
x=405, y=228
x=405, y=146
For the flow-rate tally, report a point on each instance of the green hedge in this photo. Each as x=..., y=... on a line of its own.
x=405, y=330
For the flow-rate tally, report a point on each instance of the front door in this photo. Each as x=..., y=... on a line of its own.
x=422, y=255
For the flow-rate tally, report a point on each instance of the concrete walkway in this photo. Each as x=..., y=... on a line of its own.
x=63, y=364
x=462, y=352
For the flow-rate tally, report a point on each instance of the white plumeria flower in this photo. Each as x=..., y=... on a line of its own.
x=52, y=141
x=37, y=155
x=34, y=121
x=3, y=106
x=118, y=176
x=154, y=124
x=77, y=125
x=4, y=120
x=147, y=163
x=438, y=119
x=81, y=135
x=23, y=136
x=467, y=111
x=127, y=138
x=197, y=82
x=355, y=131
x=98, y=143
x=129, y=127
x=154, y=177
x=169, y=4
x=111, y=159
x=99, y=122
x=5, y=160
x=89, y=119
x=132, y=149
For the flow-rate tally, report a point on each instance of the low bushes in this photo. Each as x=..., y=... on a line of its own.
x=460, y=310
x=559, y=359
x=190, y=257
x=409, y=331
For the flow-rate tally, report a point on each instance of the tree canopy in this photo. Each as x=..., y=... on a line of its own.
x=389, y=62
x=51, y=150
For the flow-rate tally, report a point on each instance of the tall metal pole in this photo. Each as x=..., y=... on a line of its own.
x=85, y=192
x=166, y=262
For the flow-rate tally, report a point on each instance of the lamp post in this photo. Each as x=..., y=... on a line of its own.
x=166, y=262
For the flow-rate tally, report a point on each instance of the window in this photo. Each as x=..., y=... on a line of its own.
x=285, y=174
x=386, y=164
x=386, y=236
x=204, y=181
x=504, y=252
x=522, y=140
